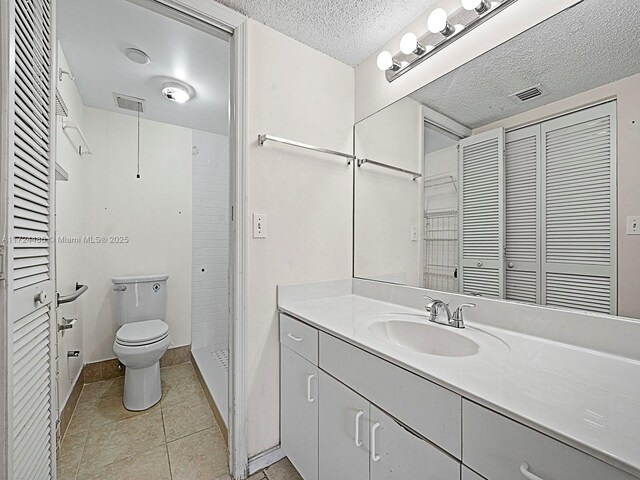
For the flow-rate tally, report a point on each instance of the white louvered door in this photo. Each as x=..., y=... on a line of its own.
x=579, y=221
x=522, y=215
x=481, y=219
x=30, y=281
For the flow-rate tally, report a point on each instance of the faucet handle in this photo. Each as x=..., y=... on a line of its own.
x=458, y=313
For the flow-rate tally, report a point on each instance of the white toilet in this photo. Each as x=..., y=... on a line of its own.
x=142, y=337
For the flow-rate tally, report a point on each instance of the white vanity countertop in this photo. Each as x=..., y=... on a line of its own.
x=587, y=399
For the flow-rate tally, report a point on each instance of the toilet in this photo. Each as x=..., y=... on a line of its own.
x=142, y=337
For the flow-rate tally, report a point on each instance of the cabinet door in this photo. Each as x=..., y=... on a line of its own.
x=344, y=426
x=398, y=454
x=299, y=412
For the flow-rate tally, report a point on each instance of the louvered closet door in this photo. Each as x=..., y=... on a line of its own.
x=522, y=215
x=481, y=163
x=31, y=423
x=579, y=245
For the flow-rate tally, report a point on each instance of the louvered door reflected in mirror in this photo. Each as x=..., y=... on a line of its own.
x=528, y=179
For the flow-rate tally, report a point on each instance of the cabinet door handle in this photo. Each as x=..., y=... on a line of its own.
x=310, y=399
x=357, y=435
x=293, y=337
x=524, y=470
x=374, y=456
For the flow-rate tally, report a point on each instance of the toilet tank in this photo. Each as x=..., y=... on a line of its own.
x=140, y=297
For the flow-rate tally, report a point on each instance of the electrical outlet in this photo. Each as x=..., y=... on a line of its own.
x=633, y=225
x=259, y=225
x=414, y=233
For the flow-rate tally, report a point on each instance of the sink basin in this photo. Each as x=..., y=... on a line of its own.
x=424, y=337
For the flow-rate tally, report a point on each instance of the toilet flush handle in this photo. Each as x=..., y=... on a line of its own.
x=119, y=288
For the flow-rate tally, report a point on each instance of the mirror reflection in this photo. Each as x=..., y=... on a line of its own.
x=527, y=157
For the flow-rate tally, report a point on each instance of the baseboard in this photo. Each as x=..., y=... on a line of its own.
x=70, y=405
x=107, y=369
x=265, y=459
x=212, y=403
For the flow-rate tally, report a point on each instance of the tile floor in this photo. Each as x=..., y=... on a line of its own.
x=177, y=439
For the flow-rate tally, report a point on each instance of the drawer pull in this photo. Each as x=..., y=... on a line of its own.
x=374, y=456
x=310, y=399
x=293, y=337
x=357, y=435
x=524, y=470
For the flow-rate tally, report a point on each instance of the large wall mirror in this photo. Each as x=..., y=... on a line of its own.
x=516, y=176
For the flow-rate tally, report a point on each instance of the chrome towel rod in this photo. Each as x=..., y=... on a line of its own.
x=263, y=138
x=69, y=125
x=415, y=175
x=80, y=289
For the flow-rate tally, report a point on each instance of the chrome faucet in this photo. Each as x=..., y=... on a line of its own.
x=435, y=307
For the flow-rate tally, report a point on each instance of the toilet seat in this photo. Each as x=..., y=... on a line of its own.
x=142, y=333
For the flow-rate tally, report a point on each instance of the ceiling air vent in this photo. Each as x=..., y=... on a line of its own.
x=127, y=102
x=528, y=94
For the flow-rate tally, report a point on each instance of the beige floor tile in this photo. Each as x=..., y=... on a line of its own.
x=114, y=387
x=115, y=441
x=184, y=418
x=282, y=470
x=177, y=371
x=111, y=409
x=150, y=465
x=82, y=417
x=69, y=455
x=92, y=391
x=180, y=389
x=201, y=456
x=257, y=476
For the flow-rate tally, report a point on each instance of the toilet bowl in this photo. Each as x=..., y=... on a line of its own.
x=139, y=347
x=142, y=337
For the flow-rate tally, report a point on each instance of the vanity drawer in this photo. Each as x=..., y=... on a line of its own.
x=299, y=337
x=427, y=408
x=498, y=448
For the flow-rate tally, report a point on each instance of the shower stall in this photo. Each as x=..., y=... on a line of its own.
x=210, y=263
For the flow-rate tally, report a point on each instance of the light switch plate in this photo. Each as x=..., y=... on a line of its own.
x=259, y=225
x=633, y=225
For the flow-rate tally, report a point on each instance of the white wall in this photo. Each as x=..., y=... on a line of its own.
x=373, y=92
x=298, y=93
x=154, y=212
x=210, y=283
x=389, y=203
x=69, y=213
x=627, y=92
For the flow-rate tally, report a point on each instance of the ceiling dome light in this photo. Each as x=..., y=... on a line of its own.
x=409, y=44
x=385, y=61
x=176, y=92
x=437, y=22
x=480, y=6
x=137, y=56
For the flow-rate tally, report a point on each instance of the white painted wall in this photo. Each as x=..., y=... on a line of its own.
x=154, y=212
x=373, y=92
x=210, y=283
x=389, y=203
x=298, y=93
x=627, y=92
x=69, y=213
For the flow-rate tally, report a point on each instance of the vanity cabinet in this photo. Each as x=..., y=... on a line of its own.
x=299, y=412
x=358, y=441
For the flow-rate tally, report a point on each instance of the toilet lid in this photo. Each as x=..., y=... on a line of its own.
x=138, y=333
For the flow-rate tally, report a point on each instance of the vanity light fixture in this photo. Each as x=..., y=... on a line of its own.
x=443, y=27
x=177, y=92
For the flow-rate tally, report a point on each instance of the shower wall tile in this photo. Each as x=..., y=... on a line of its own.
x=210, y=284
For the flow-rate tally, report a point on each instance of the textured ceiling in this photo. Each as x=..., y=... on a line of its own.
x=94, y=35
x=348, y=30
x=589, y=45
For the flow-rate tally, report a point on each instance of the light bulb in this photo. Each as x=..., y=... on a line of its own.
x=385, y=61
x=479, y=6
x=437, y=22
x=408, y=43
x=175, y=92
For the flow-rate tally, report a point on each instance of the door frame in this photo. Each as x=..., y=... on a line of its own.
x=234, y=23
